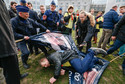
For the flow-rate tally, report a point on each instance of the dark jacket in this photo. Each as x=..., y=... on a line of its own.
x=12, y=13
x=23, y=27
x=43, y=22
x=33, y=15
x=85, y=29
x=7, y=44
x=60, y=57
x=110, y=19
x=119, y=31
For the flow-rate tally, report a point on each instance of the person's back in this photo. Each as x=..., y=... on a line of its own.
x=110, y=19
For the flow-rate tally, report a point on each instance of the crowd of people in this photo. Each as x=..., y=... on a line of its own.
x=21, y=21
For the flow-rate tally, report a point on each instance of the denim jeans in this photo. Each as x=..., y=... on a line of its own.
x=82, y=65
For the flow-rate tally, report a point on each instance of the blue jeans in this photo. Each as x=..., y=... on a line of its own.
x=24, y=51
x=84, y=64
x=117, y=44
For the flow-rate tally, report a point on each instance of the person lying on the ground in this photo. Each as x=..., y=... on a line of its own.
x=79, y=64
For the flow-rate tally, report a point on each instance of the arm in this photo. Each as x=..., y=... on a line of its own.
x=16, y=35
x=115, y=17
x=118, y=26
x=92, y=19
x=66, y=17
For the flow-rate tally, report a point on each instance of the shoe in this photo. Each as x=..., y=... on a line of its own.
x=99, y=51
x=123, y=71
x=24, y=75
x=26, y=66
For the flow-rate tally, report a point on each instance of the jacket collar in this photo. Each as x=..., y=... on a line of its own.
x=112, y=10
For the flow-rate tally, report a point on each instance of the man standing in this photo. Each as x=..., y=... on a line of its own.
x=23, y=28
x=60, y=21
x=52, y=18
x=8, y=53
x=110, y=19
x=12, y=10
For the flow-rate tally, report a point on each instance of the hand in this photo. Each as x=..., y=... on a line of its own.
x=113, y=37
x=57, y=23
x=52, y=80
x=83, y=44
x=26, y=37
x=44, y=17
x=48, y=31
x=62, y=72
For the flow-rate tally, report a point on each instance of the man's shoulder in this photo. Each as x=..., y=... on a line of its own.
x=15, y=19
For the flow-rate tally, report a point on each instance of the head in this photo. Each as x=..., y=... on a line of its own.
x=92, y=11
x=30, y=6
x=77, y=12
x=122, y=9
x=13, y=5
x=60, y=11
x=99, y=13
x=22, y=2
x=70, y=9
x=42, y=8
x=44, y=62
x=82, y=16
x=115, y=8
x=52, y=6
x=24, y=15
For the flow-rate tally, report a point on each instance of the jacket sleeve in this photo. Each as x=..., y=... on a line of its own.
x=38, y=25
x=14, y=26
x=115, y=17
x=89, y=33
x=66, y=17
x=118, y=26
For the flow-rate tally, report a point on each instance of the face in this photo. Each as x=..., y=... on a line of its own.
x=92, y=11
x=122, y=10
x=45, y=63
x=60, y=11
x=115, y=8
x=29, y=6
x=14, y=6
x=24, y=15
x=82, y=17
x=42, y=9
x=71, y=10
x=52, y=7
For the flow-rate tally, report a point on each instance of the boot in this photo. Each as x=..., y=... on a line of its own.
x=23, y=75
x=25, y=65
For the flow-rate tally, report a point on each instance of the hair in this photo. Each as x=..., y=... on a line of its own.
x=70, y=7
x=122, y=7
x=29, y=3
x=100, y=12
x=114, y=7
x=82, y=12
x=12, y=2
x=41, y=5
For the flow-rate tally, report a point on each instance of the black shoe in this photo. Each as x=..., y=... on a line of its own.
x=99, y=51
x=123, y=71
x=26, y=66
x=100, y=62
x=24, y=75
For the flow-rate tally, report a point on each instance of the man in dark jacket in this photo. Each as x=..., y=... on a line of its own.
x=119, y=37
x=78, y=63
x=12, y=10
x=110, y=19
x=8, y=53
x=84, y=31
x=23, y=28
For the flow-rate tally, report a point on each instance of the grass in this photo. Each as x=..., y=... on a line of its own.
x=37, y=75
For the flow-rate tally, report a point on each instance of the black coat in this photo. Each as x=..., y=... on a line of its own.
x=12, y=13
x=7, y=44
x=60, y=57
x=28, y=28
x=85, y=32
x=33, y=15
x=119, y=31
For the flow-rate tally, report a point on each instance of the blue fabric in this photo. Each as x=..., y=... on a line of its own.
x=24, y=50
x=117, y=44
x=123, y=64
x=110, y=19
x=20, y=8
x=82, y=65
x=53, y=3
x=33, y=15
x=122, y=50
x=52, y=19
x=23, y=1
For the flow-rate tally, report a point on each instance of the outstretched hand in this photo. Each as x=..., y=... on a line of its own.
x=52, y=80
